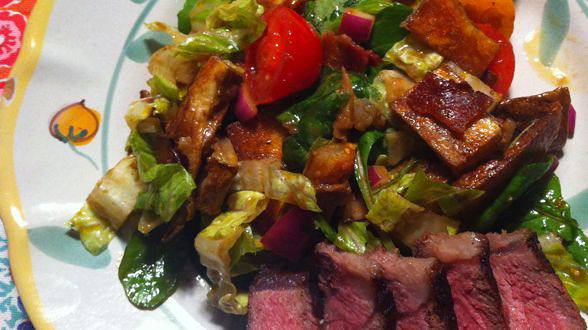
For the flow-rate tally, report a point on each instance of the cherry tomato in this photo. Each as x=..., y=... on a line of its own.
x=285, y=60
x=502, y=67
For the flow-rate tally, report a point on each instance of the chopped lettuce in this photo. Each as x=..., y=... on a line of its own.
x=365, y=145
x=229, y=28
x=266, y=177
x=389, y=208
x=438, y=195
x=169, y=189
x=373, y=7
x=161, y=86
x=215, y=242
x=114, y=196
x=138, y=110
x=400, y=146
x=95, y=232
x=292, y=188
x=184, y=21
x=387, y=30
x=248, y=245
x=573, y=275
x=170, y=185
x=413, y=58
x=351, y=237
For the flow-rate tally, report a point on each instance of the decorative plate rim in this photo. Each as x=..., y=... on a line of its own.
x=10, y=205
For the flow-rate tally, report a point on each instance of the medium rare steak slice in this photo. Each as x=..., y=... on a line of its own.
x=281, y=300
x=416, y=286
x=476, y=301
x=350, y=292
x=533, y=297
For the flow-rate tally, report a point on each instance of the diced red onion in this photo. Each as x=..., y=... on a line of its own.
x=289, y=236
x=245, y=108
x=377, y=175
x=357, y=25
x=571, y=121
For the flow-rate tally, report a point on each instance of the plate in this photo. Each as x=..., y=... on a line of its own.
x=81, y=65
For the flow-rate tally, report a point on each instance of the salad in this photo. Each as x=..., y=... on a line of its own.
x=268, y=127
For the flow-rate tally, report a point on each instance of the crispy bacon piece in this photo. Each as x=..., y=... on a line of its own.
x=446, y=28
x=341, y=51
x=455, y=104
x=201, y=114
x=439, y=96
x=221, y=168
x=260, y=138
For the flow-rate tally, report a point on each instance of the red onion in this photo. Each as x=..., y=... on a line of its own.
x=377, y=175
x=357, y=25
x=245, y=108
x=571, y=121
x=289, y=236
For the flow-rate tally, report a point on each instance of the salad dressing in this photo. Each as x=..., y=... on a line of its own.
x=554, y=74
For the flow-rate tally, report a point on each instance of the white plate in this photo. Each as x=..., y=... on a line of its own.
x=83, y=50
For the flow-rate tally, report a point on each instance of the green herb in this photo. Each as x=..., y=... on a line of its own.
x=387, y=30
x=149, y=269
x=373, y=7
x=524, y=178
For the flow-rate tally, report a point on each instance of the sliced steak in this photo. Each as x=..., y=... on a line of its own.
x=533, y=296
x=417, y=290
x=476, y=301
x=350, y=293
x=281, y=300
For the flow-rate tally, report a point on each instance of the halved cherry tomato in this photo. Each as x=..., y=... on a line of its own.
x=285, y=60
x=502, y=68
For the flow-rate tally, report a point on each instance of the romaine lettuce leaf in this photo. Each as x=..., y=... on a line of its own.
x=266, y=177
x=351, y=237
x=215, y=242
x=138, y=110
x=218, y=41
x=161, y=86
x=573, y=275
x=365, y=145
x=243, y=16
x=373, y=7
x=170, y=185
x=325, y=15
x=412, y=57
x=114, y=196
x=438, y=195
x=169, y=189
x=184, y=21
x=389, y=208
x=247, y=246
x=95, y=232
